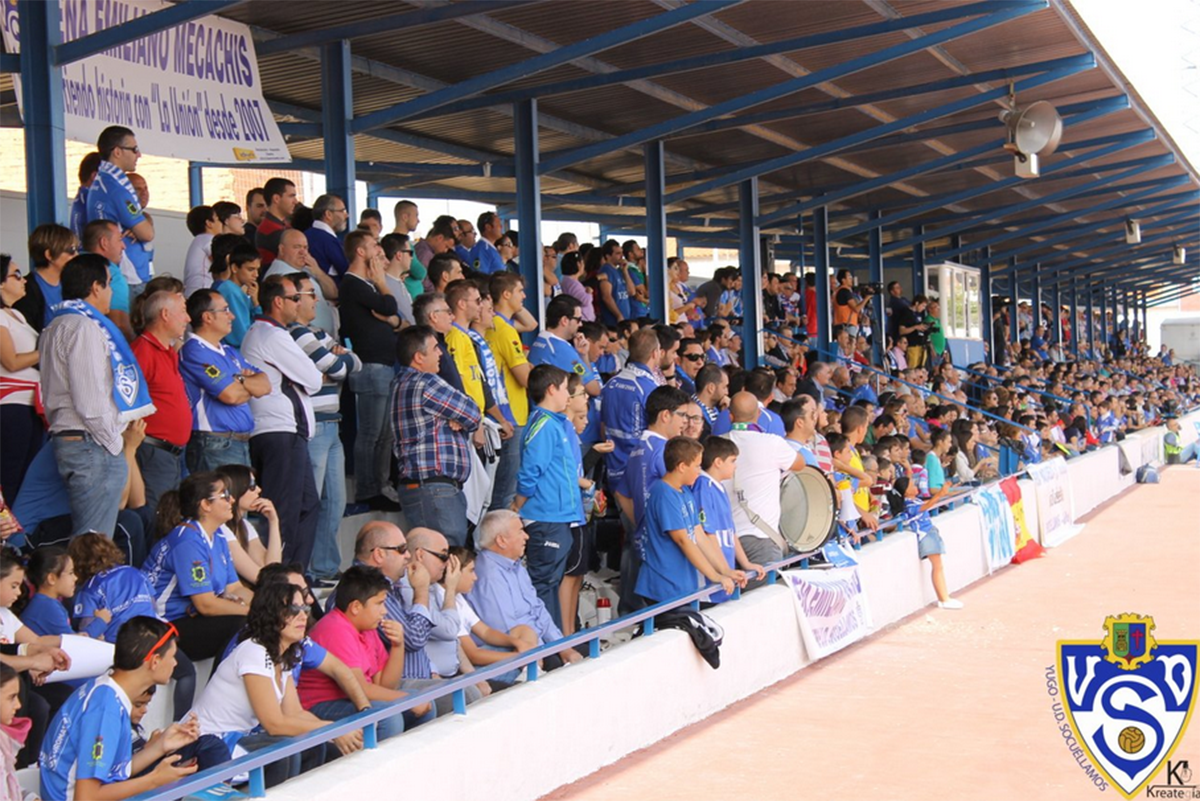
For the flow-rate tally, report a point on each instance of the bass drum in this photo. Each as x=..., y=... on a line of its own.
x=808, y=502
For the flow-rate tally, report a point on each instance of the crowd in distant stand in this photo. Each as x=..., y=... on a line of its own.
x=175, y=476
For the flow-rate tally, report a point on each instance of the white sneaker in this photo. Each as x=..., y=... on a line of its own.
x=950, y=603
x=390, y=493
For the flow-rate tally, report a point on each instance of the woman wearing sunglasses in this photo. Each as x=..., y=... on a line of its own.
x=21, y=427
x=245, y=545
x=251, y=701
x=191, y=571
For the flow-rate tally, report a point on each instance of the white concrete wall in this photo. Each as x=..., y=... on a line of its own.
x=526, y=742
x=171, y=236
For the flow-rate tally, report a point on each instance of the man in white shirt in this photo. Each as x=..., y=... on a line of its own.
x=283, y=418
x=763, y=461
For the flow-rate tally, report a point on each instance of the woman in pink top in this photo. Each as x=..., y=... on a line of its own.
x=571, y=269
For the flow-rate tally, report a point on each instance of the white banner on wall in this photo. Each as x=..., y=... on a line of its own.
x=831, y=608
x=190, y=92
x=1056, y=512
x=1001, y=529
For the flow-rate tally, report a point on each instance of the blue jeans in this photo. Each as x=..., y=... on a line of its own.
x=372, y=388
x=160, y=472
x=546, y=560
x=207, y=451
x=441, y=507
x=342, y=708
x=94, y=479
x=504, y=485
x=329, y=469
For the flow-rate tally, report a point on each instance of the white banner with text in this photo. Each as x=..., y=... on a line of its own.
x=831, y=608
x=191, y=92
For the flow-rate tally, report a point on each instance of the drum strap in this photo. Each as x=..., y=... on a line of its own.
x=758, y=522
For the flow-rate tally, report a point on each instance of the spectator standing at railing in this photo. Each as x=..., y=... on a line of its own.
x=929, y=539
x=911, y=325
x=715, y=511
x=754, y=489
x=623, y=400
x=677, y=552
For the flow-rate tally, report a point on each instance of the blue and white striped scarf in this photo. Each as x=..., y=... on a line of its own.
x=130, y=393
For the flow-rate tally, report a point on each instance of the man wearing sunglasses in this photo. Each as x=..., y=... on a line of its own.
x=283, y=418
x=112, y=196
x=691, y=359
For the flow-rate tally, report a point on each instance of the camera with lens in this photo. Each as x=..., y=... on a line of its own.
x=871, y=287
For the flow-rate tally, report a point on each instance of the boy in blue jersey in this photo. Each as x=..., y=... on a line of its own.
x=88, y=749
x=716, y=513
x=677, y=555
x=548, y=484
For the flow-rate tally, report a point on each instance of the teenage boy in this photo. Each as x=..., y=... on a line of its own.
x=716, y=513
x=351, y=633
x=88, y=748
x=676, y=551
x=854, y=426
x=548, y=497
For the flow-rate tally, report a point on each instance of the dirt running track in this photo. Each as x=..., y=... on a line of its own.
x=945, y=705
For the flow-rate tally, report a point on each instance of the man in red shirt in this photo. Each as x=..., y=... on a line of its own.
x=281, y=197
x=351, y=632
x=168, y=429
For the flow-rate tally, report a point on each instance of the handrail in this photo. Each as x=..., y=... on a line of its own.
x=366, y=720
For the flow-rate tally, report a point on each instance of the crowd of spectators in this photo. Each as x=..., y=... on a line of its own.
x=174, y=471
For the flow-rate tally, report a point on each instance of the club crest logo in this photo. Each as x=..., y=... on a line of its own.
x=1129, y=698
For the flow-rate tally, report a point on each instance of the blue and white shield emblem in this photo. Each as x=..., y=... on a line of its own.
x=1129, y=712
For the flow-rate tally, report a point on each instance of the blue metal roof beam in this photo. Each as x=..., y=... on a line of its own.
x=138, y=28
x=788, y=87
x=1071, y=233
x=930, y=204
x=1055, y=197
x=539, y=63
x=1078, y=265
x=730, y=57
x=935, y=165
x=1085, y=60
x=1108, y=205
x=391, y=22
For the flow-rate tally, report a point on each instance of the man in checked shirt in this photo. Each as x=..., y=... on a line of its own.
x=432, y=423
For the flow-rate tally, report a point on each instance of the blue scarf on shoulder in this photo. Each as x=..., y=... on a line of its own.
x=130, y=393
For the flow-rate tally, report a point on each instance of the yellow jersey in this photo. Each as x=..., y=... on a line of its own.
x=506, y=347
x=462, y=350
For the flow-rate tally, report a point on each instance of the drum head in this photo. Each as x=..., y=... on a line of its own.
x=808, y=503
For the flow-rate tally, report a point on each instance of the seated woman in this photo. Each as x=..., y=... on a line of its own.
x=190, y=570
x=33, y=657
x=108, y=594
x=251, y=702
x=245, y=546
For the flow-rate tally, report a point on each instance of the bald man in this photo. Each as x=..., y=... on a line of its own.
x=763, y=461
x=294, y=258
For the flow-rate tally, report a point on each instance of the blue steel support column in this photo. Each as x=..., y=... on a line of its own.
x=195, y=185
x=337, y=112
x=879, y=322
x=1091, y=318
x=372, y=199
x=918, y=263
x=1076, y=331
x=748, y=260
x=1035, y=302
x=656, y=230
x=1013, y=323
x=529, y=205
x=41, y=94
x=985, y=303
x=1103, y=315
x=821, y=265
x=1145, y=318
x=1056, y=301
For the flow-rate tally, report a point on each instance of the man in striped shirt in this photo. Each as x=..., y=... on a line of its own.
x=325, y=447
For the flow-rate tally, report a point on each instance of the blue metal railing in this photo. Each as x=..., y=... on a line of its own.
x=255, y=762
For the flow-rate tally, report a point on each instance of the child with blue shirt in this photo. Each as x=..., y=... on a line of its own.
x=52, y=573
x=716, y=512
x=548, y=497
x=929, y=540
x=676, y=554
x=88, y=749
